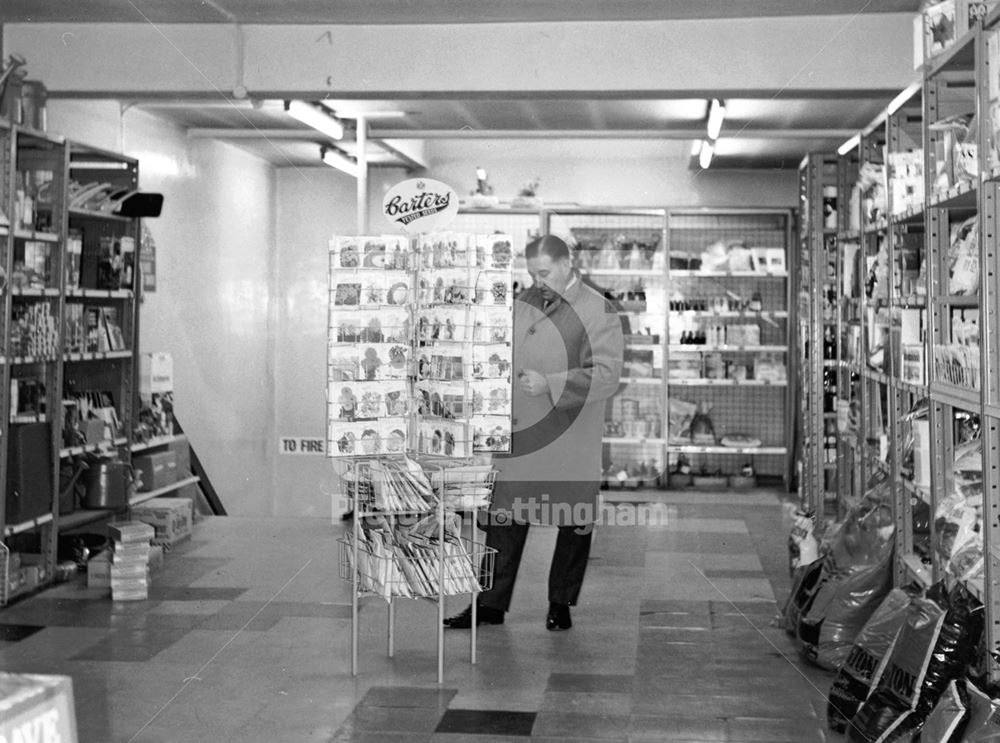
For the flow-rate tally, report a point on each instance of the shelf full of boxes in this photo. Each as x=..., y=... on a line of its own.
x=728, y=350
x=621, y=253
x=928, y=344
x=69, y=353
x=624, y=253
x=818, y=346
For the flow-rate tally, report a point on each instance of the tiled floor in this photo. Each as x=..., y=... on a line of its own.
x=246, y=637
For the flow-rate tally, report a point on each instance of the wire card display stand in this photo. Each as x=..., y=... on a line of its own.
x=406, y=540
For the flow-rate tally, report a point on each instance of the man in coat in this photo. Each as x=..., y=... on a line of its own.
x=568, y=349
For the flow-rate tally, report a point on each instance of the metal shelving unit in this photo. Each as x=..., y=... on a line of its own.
x=745, y=379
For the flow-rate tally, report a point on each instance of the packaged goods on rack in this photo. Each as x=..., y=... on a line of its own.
x=404, y=560
x=934, y=646
x=956, y=153
x=419, y=355
x=464, y=486
x=390, y=484
x=957, y=365
x=906, y=180
x=963, y=258
x=34, y=331
x=865, y=663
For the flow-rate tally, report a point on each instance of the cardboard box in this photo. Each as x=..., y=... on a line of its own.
x=34, y=707
x=156, y=470
x=945, y=22
x=170, y=517
x=181, y=448
x=156, y=374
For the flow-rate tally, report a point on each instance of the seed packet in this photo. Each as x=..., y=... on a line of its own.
x=490, y=433
x=491, y=361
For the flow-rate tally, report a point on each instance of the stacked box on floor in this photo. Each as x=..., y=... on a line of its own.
x=170, y=517
x=130, y=560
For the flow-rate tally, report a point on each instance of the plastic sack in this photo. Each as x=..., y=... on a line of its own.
x=863, y=667
x=827, y=639
x=803, y=547
x=888, y=713
x=679, y=415
x=955, y=524
x=947, y=720
x=805, y=583
x=984, y=717
x=702, y=430
x=934, y=646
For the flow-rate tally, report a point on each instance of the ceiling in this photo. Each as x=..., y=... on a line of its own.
x=773, y=132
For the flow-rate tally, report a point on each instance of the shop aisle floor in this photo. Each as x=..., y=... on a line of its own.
x=246, y=637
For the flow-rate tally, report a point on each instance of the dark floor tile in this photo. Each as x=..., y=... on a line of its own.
x=17, y=632
x=407, y=696
x=132, y=645
x=486, y=722
x=590, y=682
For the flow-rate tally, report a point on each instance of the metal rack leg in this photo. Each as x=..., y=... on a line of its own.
x=354, y=630
x=391, y=628
x=472, y=629
x=440, y=630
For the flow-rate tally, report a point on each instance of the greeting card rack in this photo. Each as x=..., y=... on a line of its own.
x=406, y=538
x=419, y=386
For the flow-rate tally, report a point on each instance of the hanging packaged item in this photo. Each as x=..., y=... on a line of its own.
x=702, y=430
x=949, y=716
x=963, y=258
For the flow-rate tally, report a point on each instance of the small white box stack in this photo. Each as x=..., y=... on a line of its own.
x=131, y=542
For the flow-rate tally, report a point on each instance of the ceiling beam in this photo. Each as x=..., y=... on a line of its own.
x=818, y=53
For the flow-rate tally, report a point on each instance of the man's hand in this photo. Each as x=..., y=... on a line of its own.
x=532, y=382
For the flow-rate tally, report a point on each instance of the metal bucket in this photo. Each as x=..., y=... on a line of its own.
x=108, y=485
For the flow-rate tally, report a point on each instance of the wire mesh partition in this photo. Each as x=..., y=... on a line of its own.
x=691, y=233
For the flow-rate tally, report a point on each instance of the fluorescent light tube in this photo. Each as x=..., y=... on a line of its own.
x=716, y=113
x=336, y=159
x=705, y=156
x=849, y=145
x=309, y=115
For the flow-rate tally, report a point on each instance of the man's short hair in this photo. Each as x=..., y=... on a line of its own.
x=550, y=245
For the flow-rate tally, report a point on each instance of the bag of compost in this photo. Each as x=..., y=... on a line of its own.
x=934, y=646
x=947, y=720
x=984, y=717
x=804, y=587
x=866, y=661
x=855, y=597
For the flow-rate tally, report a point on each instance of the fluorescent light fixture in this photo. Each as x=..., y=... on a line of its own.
x=896, y=103
x=319, y=120
x=96, y=165
x=695, y=148
x=337, y=159
x=705, y=156
x=345, y=112
x=849, y=144
x=716, y=113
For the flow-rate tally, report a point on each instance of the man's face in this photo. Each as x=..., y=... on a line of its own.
x=550, y=275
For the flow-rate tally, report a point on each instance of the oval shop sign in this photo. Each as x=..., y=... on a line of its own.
x=420, y=205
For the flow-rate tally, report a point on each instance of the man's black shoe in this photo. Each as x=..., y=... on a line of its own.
x=484, y=615
x=558, y=617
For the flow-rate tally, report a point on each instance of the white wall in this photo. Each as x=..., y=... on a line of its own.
x=212, y=308
x=314, y=204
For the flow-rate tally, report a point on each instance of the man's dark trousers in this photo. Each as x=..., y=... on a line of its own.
x=569, y=562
